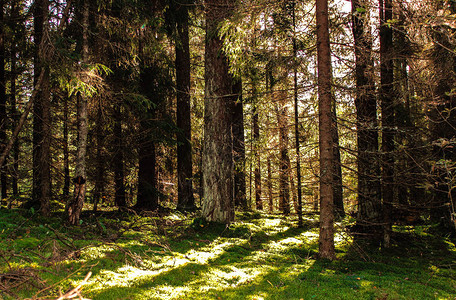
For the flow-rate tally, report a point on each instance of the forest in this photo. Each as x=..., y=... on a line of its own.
x=222, y=149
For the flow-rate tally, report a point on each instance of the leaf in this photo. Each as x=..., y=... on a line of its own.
x=360, y=10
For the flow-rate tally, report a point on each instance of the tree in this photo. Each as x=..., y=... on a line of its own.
x=42, y=113
x=218, y=202
x=185, y=200
x=387, y=107
x=326, y=141
x=239, y=145
x=74, y=206
x=3, y=102
x=369, y=197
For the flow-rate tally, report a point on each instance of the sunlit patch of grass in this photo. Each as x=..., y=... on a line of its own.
x=260, y=256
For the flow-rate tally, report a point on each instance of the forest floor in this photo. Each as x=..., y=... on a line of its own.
x=260, y=256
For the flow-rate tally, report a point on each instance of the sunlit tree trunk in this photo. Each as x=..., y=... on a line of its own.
x=41, y=115
x=387, y=107
x=369, y=197
x=185, y=197
x=326, y=141
x=218, y=202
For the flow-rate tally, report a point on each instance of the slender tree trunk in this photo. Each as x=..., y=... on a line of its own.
x=14, y=112
x=337, y=173
x=239, y=146
x=326, y=141
x=66, y=152
x=118, y=159
x=3, y=116
x=41, y=120
x=99, y=189
x=369, y=196
x=296, y=119
x=218, y=199
x=284, y=185
x=147, y=198
x=185, y=197
x=270, y=197
x=256, y=140
x=76, y=204
x=388, y=122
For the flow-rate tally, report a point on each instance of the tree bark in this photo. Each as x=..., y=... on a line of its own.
x=284, y=185
x=240, y=198
x=256, y=140
x=66, y=152
x=41, y=121
x=337, y=172
x=296, y=120
x=14, y=112
x=218, y=199
x=326, y=141
x=118, y=158
x=185, y=200
x=76, y=204
x=3, y=102
x=99, y=189
x=388, y=122
x=369, y=196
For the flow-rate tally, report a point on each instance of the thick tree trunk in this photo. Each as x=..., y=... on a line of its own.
x=185, y=197
x=240, y=198
x=41, y=120
x=369, y=196
x=326, y=141
x=388, y=122
x=148, y=189
x=218, y=199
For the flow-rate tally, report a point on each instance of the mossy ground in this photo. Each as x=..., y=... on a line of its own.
x=260, y=256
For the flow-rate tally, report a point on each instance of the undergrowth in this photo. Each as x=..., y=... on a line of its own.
x=173, y=256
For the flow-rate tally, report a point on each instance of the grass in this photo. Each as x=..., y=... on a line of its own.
x=176, y=257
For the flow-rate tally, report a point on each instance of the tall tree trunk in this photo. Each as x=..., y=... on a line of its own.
x=41, y=120
x=240, y=198
x=75, y=205
x=118, y=159
x=14, y=112
x=218, y=199
x=387, y=106
x=256, y=140
x=99, y=189
x=66, y=152
x=369, y=196
x=284, y=186
x=296, y=119
x=326, y=141
x=185, y=197
x=337, y=172
x=3, y=116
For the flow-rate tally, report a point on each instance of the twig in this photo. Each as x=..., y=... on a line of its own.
x=75, y=292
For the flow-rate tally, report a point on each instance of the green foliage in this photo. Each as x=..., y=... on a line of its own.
x=260, y=257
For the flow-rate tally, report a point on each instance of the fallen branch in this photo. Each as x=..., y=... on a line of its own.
x=76, y=292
